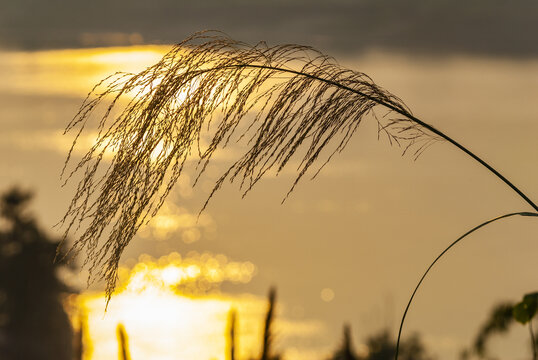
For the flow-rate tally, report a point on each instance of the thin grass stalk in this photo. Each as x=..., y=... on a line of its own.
x=347, y=345
x=79, y=338
x=232, y=342
x=123, y=343
x=533, y=341
x=267, y=344
x=527, y=214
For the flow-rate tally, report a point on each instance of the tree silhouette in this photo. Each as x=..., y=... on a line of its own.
x=33, y=323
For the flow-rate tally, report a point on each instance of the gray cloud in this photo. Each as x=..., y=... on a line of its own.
x=485, y=27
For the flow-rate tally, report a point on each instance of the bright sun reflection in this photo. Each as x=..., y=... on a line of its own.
x=173, y=221
x=171, y=309
x=72, y=72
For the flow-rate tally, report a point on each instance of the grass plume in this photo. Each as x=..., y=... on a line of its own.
x=283, y=102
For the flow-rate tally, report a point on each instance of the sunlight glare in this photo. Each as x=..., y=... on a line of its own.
x=171, y=308
x=73, y=71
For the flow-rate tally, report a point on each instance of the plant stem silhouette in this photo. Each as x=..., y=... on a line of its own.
x=232, y=338
x=416, y=120
x=267, y=345
x=533, y=341
x=442, y=254
x=79, y=338
x=123, y=343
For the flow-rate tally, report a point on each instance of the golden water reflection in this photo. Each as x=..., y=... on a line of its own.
x=172, y=220
x=171, y=308
x=71, y=72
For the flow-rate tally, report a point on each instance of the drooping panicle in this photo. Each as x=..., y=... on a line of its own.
x=283, y=102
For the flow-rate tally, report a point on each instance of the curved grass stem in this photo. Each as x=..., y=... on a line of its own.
x=441, y=255
x=533, y=341
x=414, y=119
x=394, y=108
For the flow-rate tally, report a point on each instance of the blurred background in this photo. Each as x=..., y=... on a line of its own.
x=347, y=247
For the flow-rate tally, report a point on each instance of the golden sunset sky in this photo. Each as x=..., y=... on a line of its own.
x=348, y=246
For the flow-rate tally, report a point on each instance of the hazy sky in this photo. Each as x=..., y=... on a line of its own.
x=372, y=221
x=491, y=27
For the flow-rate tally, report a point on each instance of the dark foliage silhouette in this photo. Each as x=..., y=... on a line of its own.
x=498, y=322
x=501, y=318
x=381, y=346
x=33, y=323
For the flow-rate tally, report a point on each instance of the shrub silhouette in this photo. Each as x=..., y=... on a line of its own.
x=346, y=351
x=33, y=323
x=501, y=318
